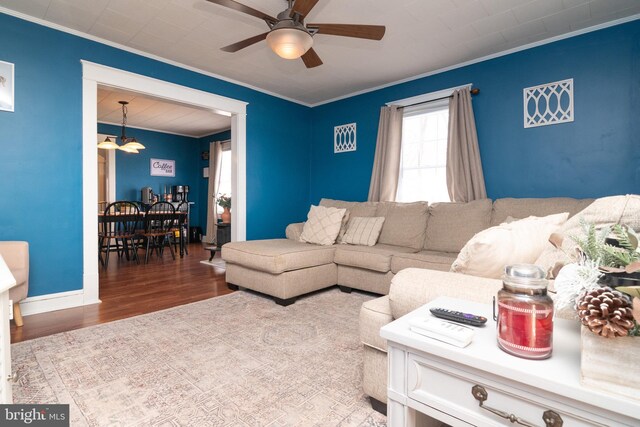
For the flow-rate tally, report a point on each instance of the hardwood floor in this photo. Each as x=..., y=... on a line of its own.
x=128, y=289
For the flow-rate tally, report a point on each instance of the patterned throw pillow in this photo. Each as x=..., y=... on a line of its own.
x=363, y=231
x=323, y=225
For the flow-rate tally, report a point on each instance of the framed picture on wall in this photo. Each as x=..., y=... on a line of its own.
x=162, y=167
x=6, y=86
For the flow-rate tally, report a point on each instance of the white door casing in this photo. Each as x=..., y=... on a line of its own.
x=95, y=74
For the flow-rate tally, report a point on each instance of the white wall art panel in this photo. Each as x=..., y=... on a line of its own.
x=344, y=138
x=548, y=104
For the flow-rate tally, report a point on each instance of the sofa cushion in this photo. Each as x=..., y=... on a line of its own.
x=451, y=225
x=276, y=256
x=425, y=259
x=377, y=258
x=363, y=231
x=518, y=242
x=404, y=225
x=374, y=314
x=414, y=287
x=523, y=208
x=294, y=230
x=323, y=225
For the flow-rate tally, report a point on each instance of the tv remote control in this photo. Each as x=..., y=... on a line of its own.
x=458, y=316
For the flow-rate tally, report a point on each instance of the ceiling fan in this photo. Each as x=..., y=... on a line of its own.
x=290, y=38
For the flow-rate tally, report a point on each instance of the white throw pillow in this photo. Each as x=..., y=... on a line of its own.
x=363, y=231
x=518, y=242
x=323, y=225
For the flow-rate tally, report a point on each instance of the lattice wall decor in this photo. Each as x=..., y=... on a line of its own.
x=548, y=104
x=344, y=138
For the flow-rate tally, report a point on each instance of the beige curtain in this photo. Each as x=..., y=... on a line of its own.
x=215, y=161
x=386, y=164
x=465, y=180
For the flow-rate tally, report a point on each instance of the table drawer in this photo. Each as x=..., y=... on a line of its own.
x=449, y=389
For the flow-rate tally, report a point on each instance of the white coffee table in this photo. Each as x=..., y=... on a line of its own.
x=437, y=379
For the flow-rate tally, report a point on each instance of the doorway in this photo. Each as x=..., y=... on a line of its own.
x=95, y=74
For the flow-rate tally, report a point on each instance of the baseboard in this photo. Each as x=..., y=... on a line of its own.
x=52, y=302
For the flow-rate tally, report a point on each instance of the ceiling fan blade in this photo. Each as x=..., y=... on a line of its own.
x=302, y=7
x=311, y=59
x=372, y=32
x=245, y=43
x=244, y=9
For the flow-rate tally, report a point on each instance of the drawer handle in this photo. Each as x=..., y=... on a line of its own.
x=550, y=418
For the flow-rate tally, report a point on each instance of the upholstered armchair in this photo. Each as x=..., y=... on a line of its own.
x=16, y=255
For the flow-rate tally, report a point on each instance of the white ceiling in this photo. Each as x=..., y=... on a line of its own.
x=146, y=112
x=422, y=35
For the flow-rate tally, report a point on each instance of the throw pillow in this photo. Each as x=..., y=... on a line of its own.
x=322, y=226
x=363, y=231
x=522, y=241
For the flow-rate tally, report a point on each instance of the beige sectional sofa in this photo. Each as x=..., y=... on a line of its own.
x=413, y=235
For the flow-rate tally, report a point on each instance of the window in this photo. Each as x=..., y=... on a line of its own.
x=224, y=186
x=423, y=162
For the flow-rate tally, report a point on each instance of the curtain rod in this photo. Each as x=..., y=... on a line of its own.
x=473, y=91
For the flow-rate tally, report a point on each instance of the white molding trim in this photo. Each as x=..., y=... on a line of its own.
x=484, y=58
x=64, y=29
x=427, y=97
x=94, y=74
x=53, y=302
x=100, y=40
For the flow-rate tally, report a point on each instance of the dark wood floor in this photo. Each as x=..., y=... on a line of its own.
x=128, y=289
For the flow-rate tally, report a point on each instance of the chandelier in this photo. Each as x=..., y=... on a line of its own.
x=129, y=144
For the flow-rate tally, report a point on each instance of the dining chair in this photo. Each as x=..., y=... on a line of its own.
x=120, y=223
x=182, y=224
x=159, y=225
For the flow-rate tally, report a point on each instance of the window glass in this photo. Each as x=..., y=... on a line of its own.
x=224, y=187
x=423, y=163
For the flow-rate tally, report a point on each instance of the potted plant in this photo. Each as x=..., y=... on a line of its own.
x=224, y=202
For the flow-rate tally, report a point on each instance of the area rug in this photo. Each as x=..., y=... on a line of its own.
x=216, y=262
x=235, y=360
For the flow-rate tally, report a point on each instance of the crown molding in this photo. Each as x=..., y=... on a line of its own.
x=100, y=40
x=486, y=58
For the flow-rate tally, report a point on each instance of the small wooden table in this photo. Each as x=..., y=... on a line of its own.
x=223, y=235
x=473, y=385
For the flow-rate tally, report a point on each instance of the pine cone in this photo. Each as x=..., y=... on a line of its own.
x=606, y=312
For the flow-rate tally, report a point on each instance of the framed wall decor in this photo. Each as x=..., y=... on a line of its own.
x=161, y=167
x=6, y=86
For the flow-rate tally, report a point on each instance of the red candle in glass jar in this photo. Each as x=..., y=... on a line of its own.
x=525, y=313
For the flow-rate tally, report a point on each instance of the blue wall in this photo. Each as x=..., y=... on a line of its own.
x=596, y=155
x=133, y=170
x=41, y=160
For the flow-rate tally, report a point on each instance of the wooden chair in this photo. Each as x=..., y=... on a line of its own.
x=119, y=225
x=159, y=225
x=182, y=224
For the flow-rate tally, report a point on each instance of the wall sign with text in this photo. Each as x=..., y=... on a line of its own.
x=161, y=167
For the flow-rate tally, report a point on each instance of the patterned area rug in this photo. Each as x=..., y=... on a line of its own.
x=236, y=360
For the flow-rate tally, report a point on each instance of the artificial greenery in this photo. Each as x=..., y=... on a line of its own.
x=597, y=245
x=224, y=201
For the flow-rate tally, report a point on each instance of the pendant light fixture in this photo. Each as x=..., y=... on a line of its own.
x=129, y=144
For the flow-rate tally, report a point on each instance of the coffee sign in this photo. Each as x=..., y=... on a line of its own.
x=161, y=167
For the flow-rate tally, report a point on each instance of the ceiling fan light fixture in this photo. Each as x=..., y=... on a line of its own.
x=108, y=144
x=289, y=42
